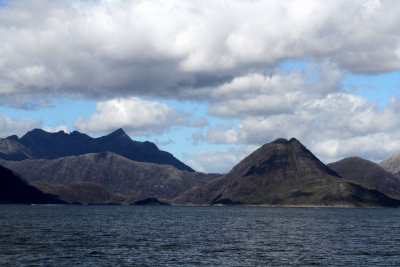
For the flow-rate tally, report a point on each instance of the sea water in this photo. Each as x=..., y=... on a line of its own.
x=68, y=235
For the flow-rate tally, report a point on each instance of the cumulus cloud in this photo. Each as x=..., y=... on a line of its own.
x=375, y=146
x=335, y=126
x=329, y=120
x=224, y=53
x=178, y=49
x=10, y=126
x=220, y=161
x=137, y=117
x=256, y=94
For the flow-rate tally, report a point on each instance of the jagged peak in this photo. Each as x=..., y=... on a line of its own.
x=119, y=132
x=39, y=144
x=38, y=131
x=60, y=133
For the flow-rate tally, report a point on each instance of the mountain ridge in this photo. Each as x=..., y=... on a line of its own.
x=39, y=144
x=137, y=180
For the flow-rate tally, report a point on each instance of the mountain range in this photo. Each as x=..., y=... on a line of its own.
x=39, y=144
x=137, y=180
x=115, y=169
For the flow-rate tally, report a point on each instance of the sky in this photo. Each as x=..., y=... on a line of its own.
x=208, y=81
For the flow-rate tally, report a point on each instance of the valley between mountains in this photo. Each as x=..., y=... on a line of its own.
x=42, y=167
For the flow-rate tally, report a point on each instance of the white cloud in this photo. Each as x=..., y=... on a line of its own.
x=137, y=117
x=220, y=161
x=256, y=94
x=280, y=92
x=328, y=120
x=335, y=126
x=176, y=49
x=10, y=126
x=375, y=146
x=61, y=127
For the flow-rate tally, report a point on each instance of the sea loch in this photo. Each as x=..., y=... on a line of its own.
x=67, y=235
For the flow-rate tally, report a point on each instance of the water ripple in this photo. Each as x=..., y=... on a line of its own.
x=197, y=236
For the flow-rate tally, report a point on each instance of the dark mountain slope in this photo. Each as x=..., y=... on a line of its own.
x=367, y=174
x=14, y=190
x=39, y=144
x=138, y=180
x=84, y=193
x=284, y=173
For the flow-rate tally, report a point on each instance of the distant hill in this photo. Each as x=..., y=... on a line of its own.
x=284, y=173
x=137, y=180
x=39, y=144
x=367, y=174
x=15, y=190
x=392, y=164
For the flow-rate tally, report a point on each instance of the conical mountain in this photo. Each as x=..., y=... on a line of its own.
x=367, y=174
x=15, y=190
x=284, y=172
x=39, y=144
x=392, y=164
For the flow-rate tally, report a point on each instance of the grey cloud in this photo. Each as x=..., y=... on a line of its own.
x=175, y=49
x=280, y=92
x=214, y=51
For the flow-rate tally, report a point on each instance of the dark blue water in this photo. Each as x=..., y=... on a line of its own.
x=217, y=236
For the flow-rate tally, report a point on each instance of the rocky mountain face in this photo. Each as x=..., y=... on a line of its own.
x=367, y=174
x=39, y=144
x=15, y=190
x=136, y=180
x=392, y=164
x=284, y=172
